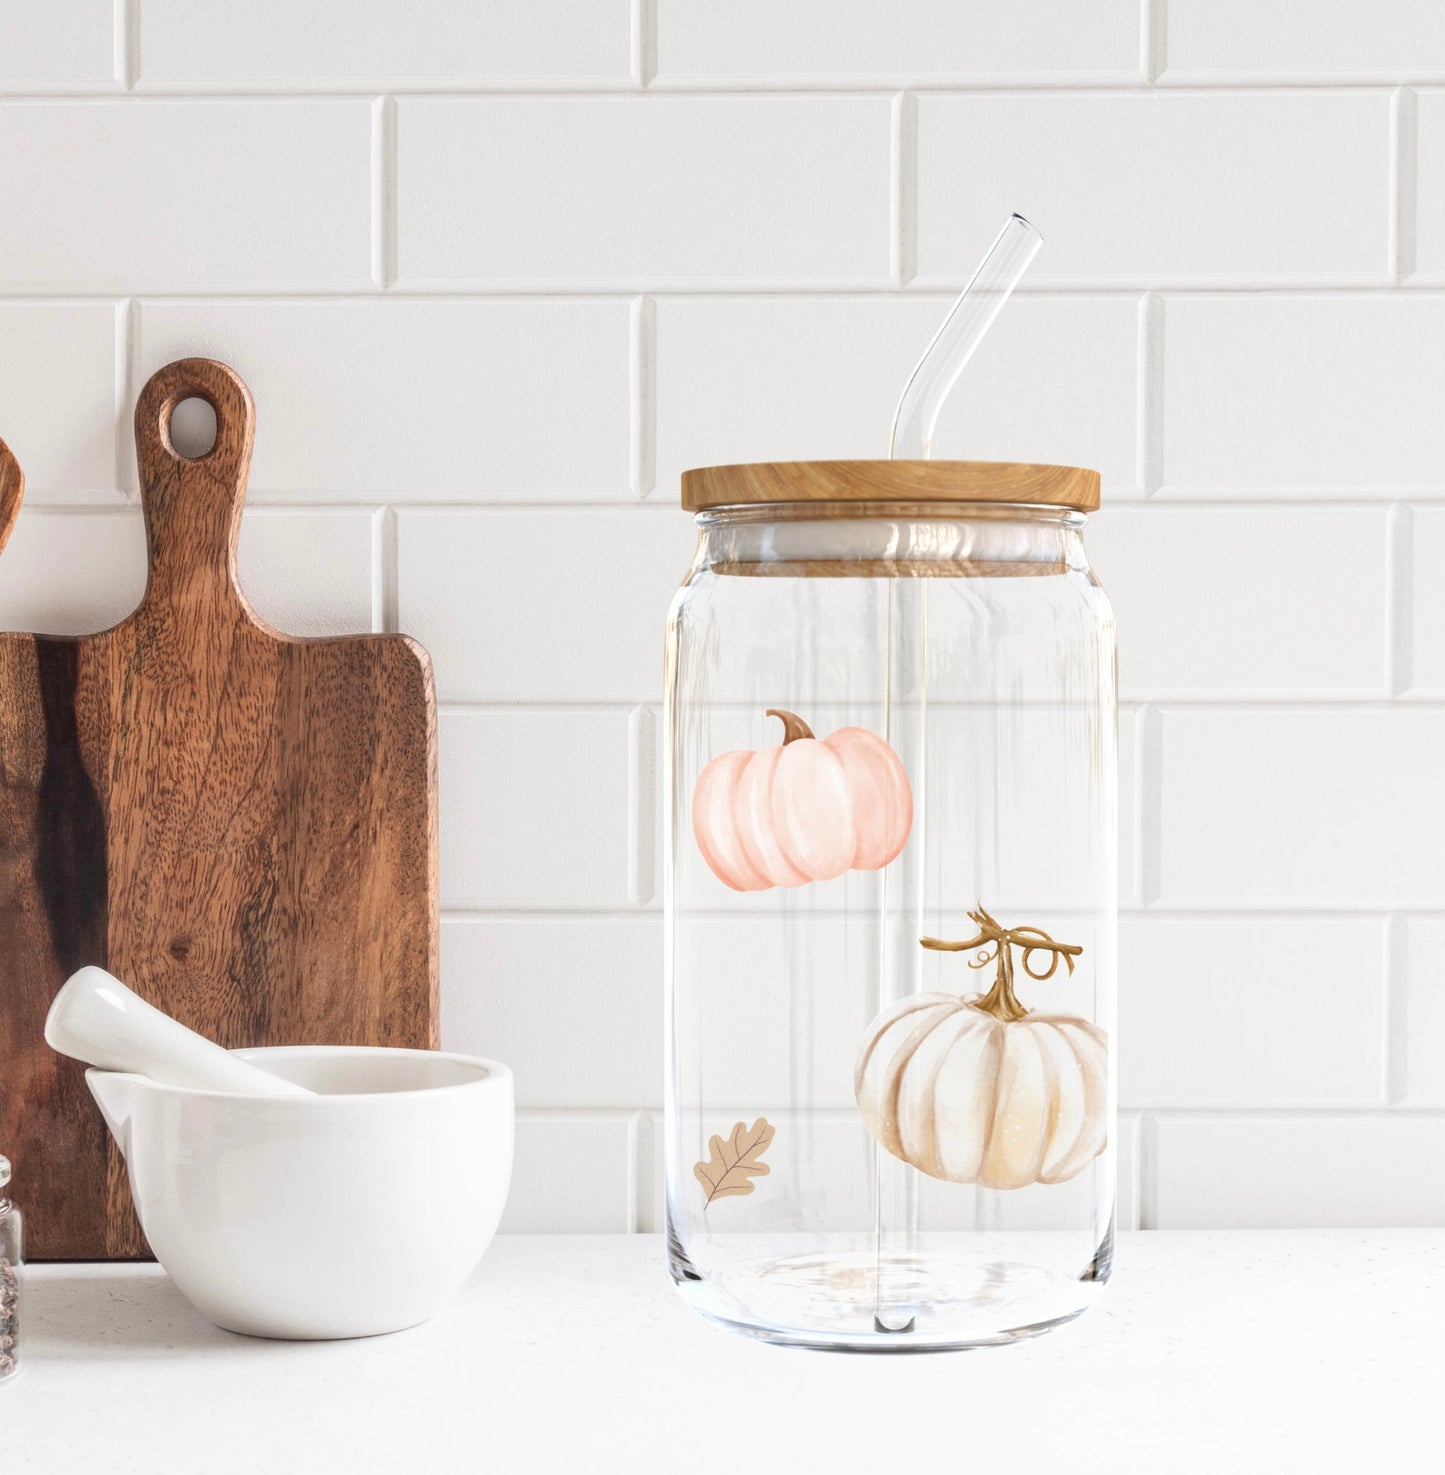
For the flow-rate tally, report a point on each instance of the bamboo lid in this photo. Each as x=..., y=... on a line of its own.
x=772, y=482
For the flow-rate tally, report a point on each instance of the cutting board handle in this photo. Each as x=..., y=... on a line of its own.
x=193, y=505
x=12, y=489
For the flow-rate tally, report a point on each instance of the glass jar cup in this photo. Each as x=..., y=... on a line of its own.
x=891, y=897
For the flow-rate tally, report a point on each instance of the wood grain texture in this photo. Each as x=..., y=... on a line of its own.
x=889, y=568
x=239, y=823
x=842, y=482
x=12, y=489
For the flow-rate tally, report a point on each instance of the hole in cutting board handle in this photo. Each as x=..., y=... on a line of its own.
x=189, y=428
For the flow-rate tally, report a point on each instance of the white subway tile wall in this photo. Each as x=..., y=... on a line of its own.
x=233, y=195
x=481, y=401
x=482, y=591
x=1423, y=648
x=1154, y=187
x=1301, y=394
x=70, y=570
x=498, y=274
x=1428, y=183
x=50, y=49
x=769, y=378
x=1260, y=1003
x=1310, y=806
x=59, y=397
x=585, y=1030
x=618, y=190
x=534, y=809
x=786, y=43
x=1249, y=570
x=1349, y=40
x=1420, y=1067
x=278, y=45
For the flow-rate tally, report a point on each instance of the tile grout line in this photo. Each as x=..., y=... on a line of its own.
x=1136, y=1170
x=1125, y=84
x=903, y=189
x=643, y=42
x=1150, y=460
x=127, y=43
x=383, y=192
x=1136, y=827
x=102, y=499
x=1146, y=1170
x=386, y=573
x=128, y=387
x=639, y=1156
x=1399, y=600
x=1173, y=915
x=378, y=570
x=1397, y=963
x=511, y=701
x=1376, y=287
x=122, y=396
x=641, y=1211
x=1154, y=39
x=1252, y=698
x=1403, y=183
x=641, y=805
x=1278, y=1112
x=1148, y=818
x=1289, y=1113
x=642, y=396
x=1321, y=498
x=1242, y=1115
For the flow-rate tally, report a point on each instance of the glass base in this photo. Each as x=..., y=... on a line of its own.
x=857, y=1301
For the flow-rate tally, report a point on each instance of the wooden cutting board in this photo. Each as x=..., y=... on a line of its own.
x=238, y=823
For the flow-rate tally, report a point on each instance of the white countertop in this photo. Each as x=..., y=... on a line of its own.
x=1302, y=1351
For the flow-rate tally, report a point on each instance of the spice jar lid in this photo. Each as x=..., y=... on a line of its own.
x=761, y=483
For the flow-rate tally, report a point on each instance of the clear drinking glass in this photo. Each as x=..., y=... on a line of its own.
x=890, y=953
x=11, y=1248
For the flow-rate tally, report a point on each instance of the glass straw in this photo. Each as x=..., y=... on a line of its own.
x=896, y=1223
x=955, y=342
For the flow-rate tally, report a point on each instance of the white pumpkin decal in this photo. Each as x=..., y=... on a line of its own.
x=806, y=810
x=979, y=1089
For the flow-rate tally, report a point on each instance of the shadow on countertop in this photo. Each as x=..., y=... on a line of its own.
x=99, y=1311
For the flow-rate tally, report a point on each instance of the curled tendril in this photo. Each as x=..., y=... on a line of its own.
x=995, y=944
x=1045, y=943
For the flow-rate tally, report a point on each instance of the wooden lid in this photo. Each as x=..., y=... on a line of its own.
x=764, y=483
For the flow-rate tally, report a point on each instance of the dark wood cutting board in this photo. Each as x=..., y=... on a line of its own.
x=12, y=488
x=238, y=823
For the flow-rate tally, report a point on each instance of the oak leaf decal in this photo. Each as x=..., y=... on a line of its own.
x=735, y=1162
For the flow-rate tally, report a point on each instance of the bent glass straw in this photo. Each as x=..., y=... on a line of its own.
x=955, y=342
x=905, y=720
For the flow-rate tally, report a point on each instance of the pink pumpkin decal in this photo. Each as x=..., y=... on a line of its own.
x=807, y=810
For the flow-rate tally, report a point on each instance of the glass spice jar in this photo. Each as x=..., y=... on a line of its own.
x=890, y=893
x=10, y=1260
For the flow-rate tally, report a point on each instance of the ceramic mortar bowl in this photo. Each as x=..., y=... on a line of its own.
x=356, y=1211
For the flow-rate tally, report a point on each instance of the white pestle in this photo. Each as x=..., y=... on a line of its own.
x=97, y=1019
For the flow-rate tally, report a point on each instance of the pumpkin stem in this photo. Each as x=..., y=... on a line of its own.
x=793, y=726
x=996, y=946
x=1001, y=1001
